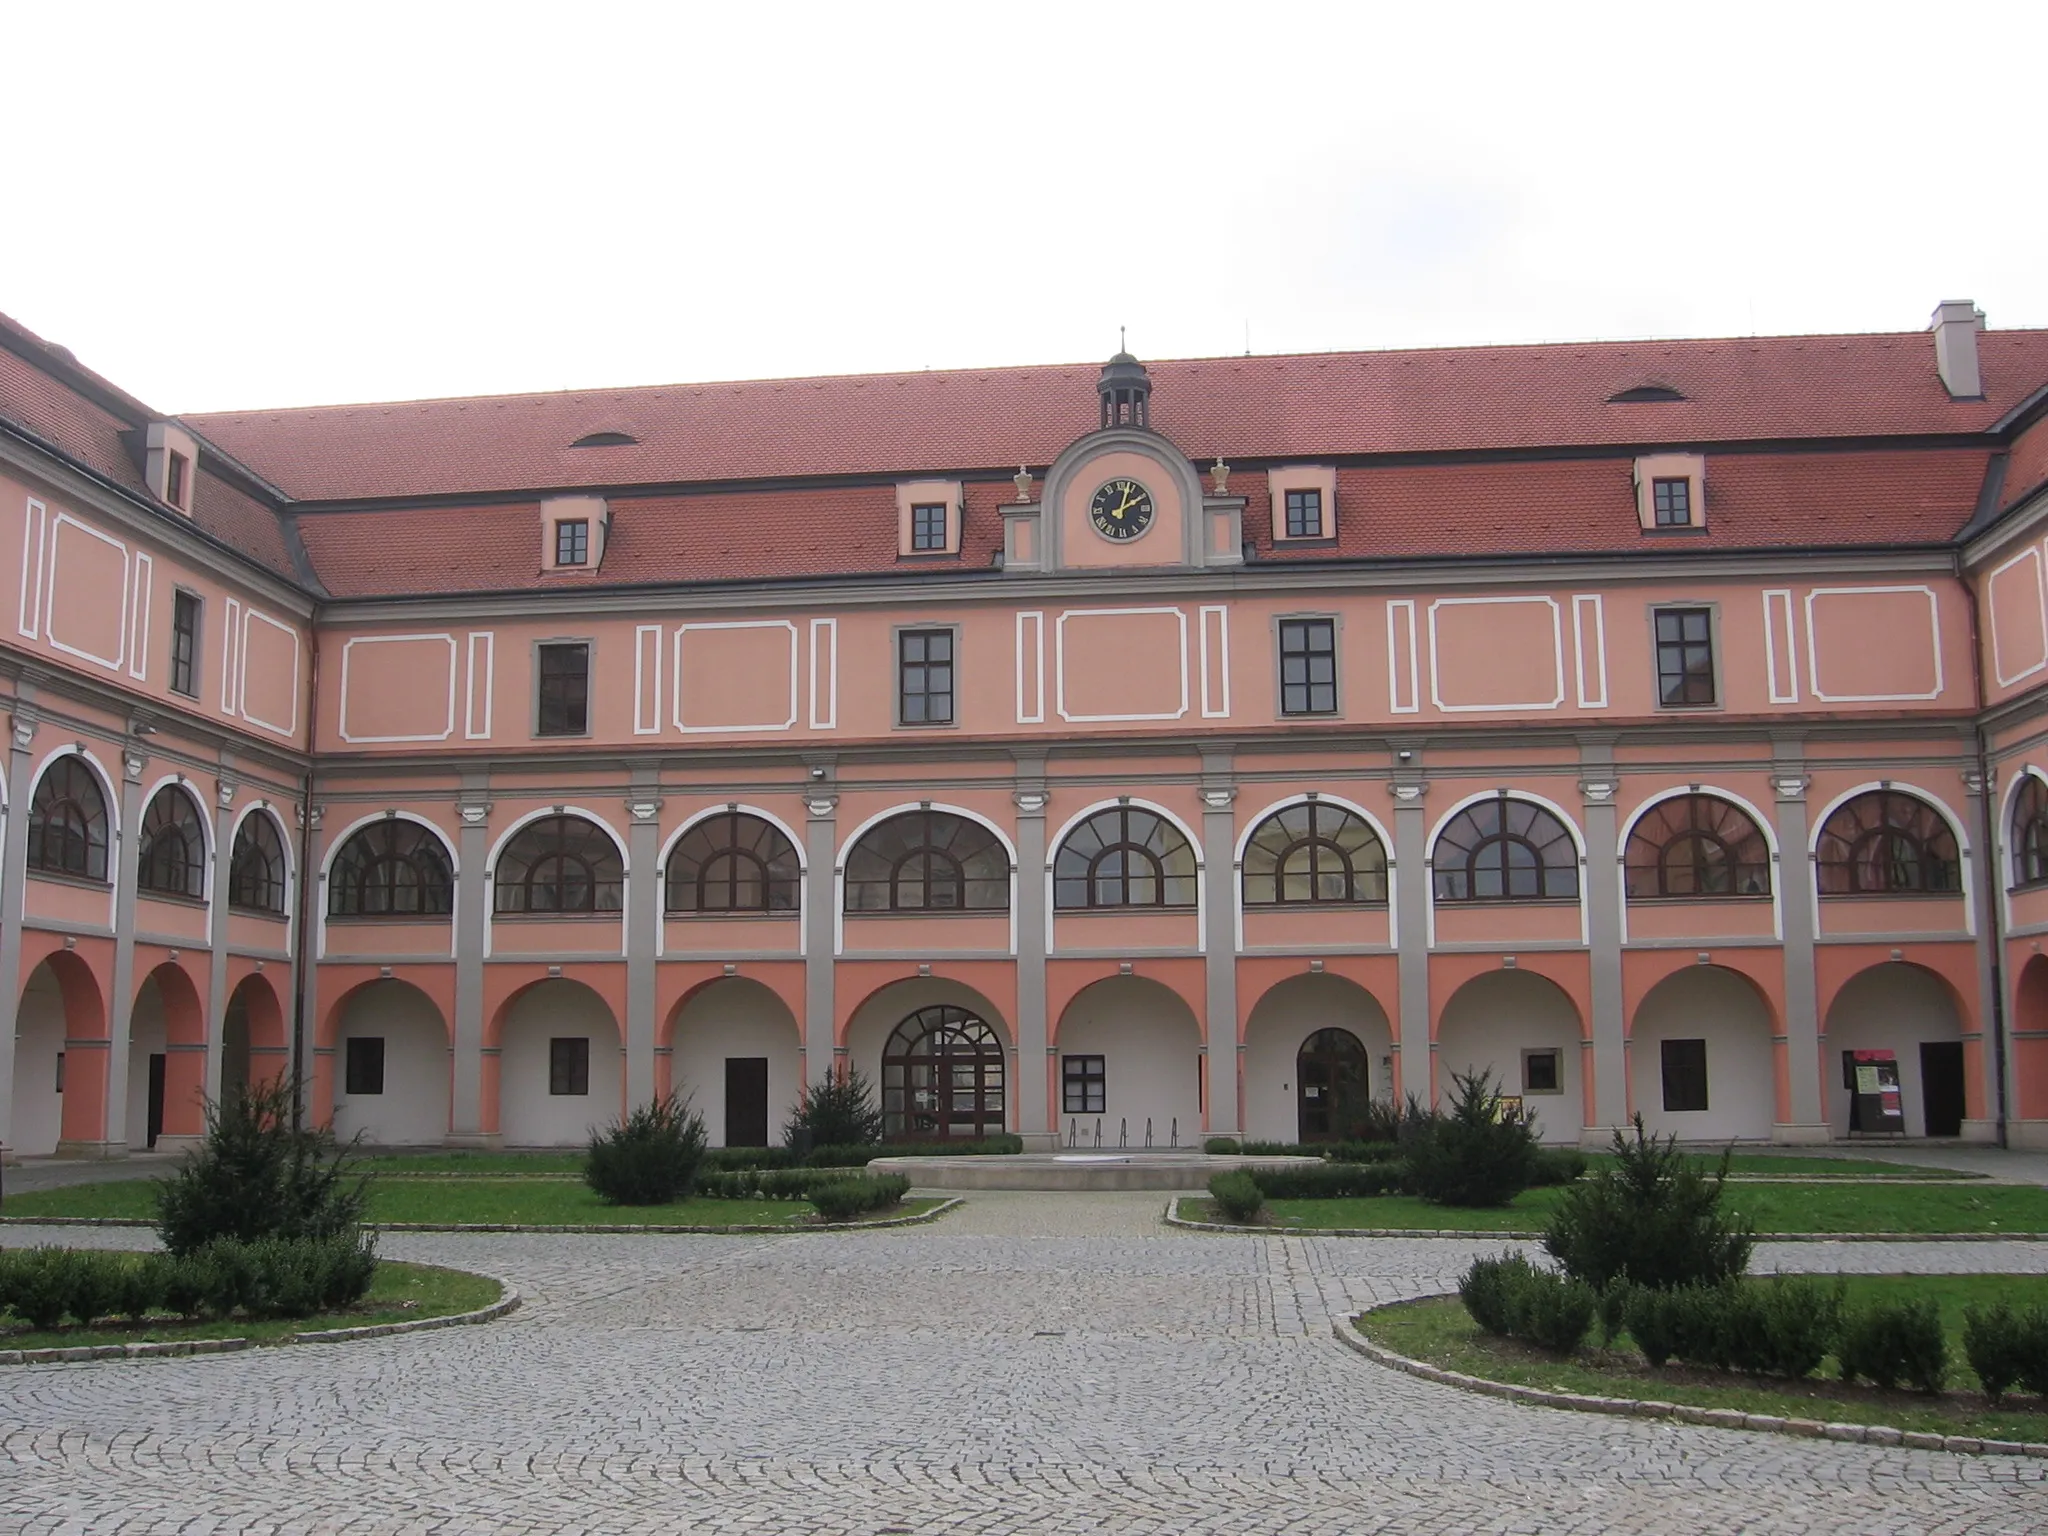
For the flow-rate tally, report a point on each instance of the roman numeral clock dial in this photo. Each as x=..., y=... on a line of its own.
x=1121, y=510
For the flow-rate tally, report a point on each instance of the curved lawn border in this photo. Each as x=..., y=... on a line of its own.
x=756, y=1229
x=1682, y=1413
x=1489, y=1234
x=508, y=1301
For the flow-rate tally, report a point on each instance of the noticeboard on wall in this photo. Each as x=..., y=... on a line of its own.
x=1876, y=1102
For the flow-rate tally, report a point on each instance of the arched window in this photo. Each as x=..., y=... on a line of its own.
x=1505, y=849
x=2030, y=832
x=928, y=861
x=256, y=872
x=1314, y=854
x=1125, y=856
x=392, y=868
x=733, y=862
x=1888, y=843
x=67, y=821
x=559, y=864
x=942, y=1076
x=172, y=859
x=1695, y=846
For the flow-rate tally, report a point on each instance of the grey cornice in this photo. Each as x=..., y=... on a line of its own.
x=1349, y=575
x=86, y=488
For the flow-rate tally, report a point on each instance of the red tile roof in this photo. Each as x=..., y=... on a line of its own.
x=2026, y=471
x=1455, y=399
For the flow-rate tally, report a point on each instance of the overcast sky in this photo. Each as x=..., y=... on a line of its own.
x=221, y=206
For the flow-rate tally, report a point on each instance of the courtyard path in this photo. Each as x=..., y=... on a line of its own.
x=1031, y=1363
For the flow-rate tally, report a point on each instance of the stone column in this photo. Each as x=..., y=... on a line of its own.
x=1800, y=1044
x=302, y=941
x=21, y=769
x=1412, y=1049
x=1608, y=1054
x=1219, y=943
x=217, y=936
x=643, y=930
x=472, y=920
x=121, y=1006
x=821, y=927
x=1984, y=882
x=1028, y=1074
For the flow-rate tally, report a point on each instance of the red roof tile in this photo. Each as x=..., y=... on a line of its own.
x=1250, y=407
x=2027, y=470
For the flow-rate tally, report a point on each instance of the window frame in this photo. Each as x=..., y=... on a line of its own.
x=1658, y=815
x=1296, y=498
x=1660, y=503
x=562, y=642
x=98, y=851
x=1315, y=839
x=572, y=543
x=941, y=535
x=1555, y=1054
x=1667, y=1083
x=774, y=883
x=557, y=840
x=1712, y=613
x=350, y=1062
x=192, y=887
x=427, y=853
x=2028, y=844
x=1280, y=657
x=1128, y=852
x=1942, y=828
x=569, y=1071
x=282, y=880
x=1573, y=865
x=927, y=853
x=1091, y=1081
x=190, y=663
x=899, y=637
x=177, y=478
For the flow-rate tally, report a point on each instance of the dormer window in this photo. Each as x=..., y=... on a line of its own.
x=1671, y=492
x=572, y=541
x=928, y=517
x=1671, y=500
x=170, y=459
x=573, y=532
x=1304, y=502
x=176, y=466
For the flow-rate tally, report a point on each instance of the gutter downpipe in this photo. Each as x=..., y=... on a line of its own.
x=304, y=919
x=1993, y=908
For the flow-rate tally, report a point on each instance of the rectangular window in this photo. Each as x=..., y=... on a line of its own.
x=1304, y=514
x=572, y=541
x=1671, y=500
x=1308, y=666
x=185, y=644
x=1084, y=1085
x=1685, y=657
x=569, y=1066
x=1541, y=1072
x=564, y=690
x=924, y=677
x=174, y=479
x=364, y=1071
x=60, y=1071
x=928, y=527
x=1685, y=1074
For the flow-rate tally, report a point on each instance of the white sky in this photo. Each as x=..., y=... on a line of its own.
x=221, y=206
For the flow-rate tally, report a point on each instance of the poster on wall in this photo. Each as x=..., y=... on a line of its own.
x=1876, y=1104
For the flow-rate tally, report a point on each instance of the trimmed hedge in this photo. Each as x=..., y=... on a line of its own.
x=1332, y=1181
x=770, y=1183
x=1238, y=1195
x=1510, y=1297
x=725, y=1159
x=2007, y=1348
x=266, y=1277
x=1786, y=1328
x=844, y=1199
x=1890, y=1342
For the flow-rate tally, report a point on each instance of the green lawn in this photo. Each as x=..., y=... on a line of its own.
x=401, y=1293
x=537, y=1202
x=474, y=1162
x=1439, y=1331
x=1780, y=1165
x=1824, y=1207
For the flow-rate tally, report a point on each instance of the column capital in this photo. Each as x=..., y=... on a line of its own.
x=1219, y=797
x=1790, y=786
x=23, y=723
x=643, y=808
x=132, y=765
x=1408, y=791
x=1598, y=791
x=822, y=807
x=1031, y=802
x=473, y=813
x=1980, y=781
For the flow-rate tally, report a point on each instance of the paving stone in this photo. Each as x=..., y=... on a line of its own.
x=1056, y=1364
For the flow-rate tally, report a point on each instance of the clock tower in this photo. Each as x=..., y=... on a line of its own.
x=1126, y=392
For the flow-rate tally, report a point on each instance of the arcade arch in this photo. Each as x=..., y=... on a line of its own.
x=166, y=1059
x=1286, y=1018
x=1701, y=1059
x=1525, y=1030
x=60, y=1001
x=735, y=1056
x=561, y=1072
x=1910, y=1012
x=391, y=1066
x=1139, y=1040
x=875, y=1035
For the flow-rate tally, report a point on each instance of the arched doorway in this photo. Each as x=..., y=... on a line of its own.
x=166, y=1060
x=390, y=1066
x=1701, y=1063
x=1332, y=1086
x=1909, y=1012
x=253, y=1046
x=736, y=1058
x=1287, y=1016
x=942, y=1077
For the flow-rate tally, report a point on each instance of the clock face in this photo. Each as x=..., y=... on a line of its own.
x=1121, y=510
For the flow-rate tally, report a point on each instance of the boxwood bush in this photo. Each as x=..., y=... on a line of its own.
x=1887, y=1342
x=266, y=1277
x=1511, y=1298
x=846, y=1199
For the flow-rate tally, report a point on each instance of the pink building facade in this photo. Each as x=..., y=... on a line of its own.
x=1119, y=756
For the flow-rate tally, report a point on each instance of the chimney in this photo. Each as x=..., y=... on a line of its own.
x=1955, y=327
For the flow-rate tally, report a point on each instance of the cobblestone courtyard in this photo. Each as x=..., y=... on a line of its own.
x=1029, y=1364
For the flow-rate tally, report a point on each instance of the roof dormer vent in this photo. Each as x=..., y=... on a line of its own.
x=1955, y=327
x=1645, y=394
x=605, y=440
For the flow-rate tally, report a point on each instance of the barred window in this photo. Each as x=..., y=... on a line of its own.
x=1314, y=854
x=1696, y=846
x=1505, y=849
